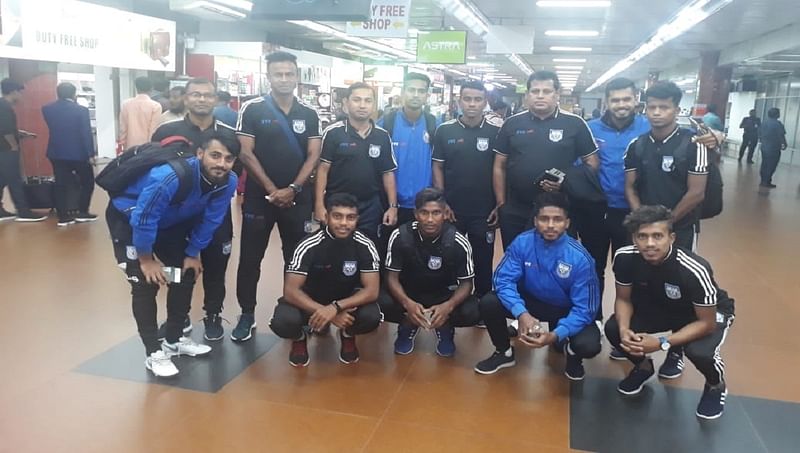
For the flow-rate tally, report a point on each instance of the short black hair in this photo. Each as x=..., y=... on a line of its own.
x=199, y=81
x=180, y=89
x=774, y=113
x=143, y=85
x=66, y=90
x=358, y=86
x=342, y=199
x=664, y=90
x=281, y=56
x=647, y=215
x=427, y=195
x=473, y=85
x=544, y=75
x=554, y=199
x=231, y=143
x=223, y=96
x=416, y=76
x=8, y=86
x=620, y=83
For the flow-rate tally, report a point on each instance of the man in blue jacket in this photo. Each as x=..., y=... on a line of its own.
x=145, y=223
x=70, y=148
x=545, y=276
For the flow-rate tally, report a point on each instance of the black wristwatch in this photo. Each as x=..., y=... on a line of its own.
x=339, y=308
x=296, y=188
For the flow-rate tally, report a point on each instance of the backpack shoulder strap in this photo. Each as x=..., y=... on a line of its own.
x=430, y=124
x=184, y=172
x=388, y=122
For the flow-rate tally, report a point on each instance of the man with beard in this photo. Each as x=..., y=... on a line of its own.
x=177, y=109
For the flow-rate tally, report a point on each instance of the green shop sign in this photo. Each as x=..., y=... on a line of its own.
x=442, y=47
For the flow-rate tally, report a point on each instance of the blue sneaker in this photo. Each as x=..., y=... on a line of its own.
x=244, y=328
x=445, y=346
x=404, y=344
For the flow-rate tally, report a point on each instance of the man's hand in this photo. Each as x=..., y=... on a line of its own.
x=440, y=314
x=344, y=319
x=493, y=221
x=528, y=328
x=322, y=317
x=450, y=215
x=282, y=198
x=193, y=263
x=416, y=314
x=631, y=342
x=541, y=340
x=550, y=186
x=320, y=213
x=648, y=343
x=711, y=138
x=390, y=217
x=152, y=270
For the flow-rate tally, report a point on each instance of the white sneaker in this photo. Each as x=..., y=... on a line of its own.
x=160, y=364
x=185, y=346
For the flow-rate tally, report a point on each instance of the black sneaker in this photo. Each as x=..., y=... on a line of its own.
x=298, y=356
x=162, y=329
x=497, y=361
x=65, y=221
x=29, y=217
x=5, y=215
x=83, y=217
x=672, y=368
x=574, y=370
x=213, y=327
x=616, y=354
x=244, y=328
x=348, y=352
x=636, y=379
x=712, y=403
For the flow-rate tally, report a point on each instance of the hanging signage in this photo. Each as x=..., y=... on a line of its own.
x=388, y=19
x=70, y=31
x=442, y=47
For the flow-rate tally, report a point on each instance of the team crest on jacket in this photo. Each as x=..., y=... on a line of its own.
x=556, y=135
x=563, y=269
x=299, y=126
x=490, y=237
x=435, y=263
x=672, y=291
x=226, y=248
x=374, y=151
x=349, y=268
x=426, y=137
x=666, y=163
x=483, y=144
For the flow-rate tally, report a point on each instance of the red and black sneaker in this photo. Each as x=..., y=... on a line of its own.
x=298, y=356
x=349, y=352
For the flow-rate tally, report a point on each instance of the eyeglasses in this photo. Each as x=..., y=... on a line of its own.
x=198, y=95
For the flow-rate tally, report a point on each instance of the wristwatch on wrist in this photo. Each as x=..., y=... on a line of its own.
x=297, y=188
x=664, y=343
x=394, y=205
x=338, y=307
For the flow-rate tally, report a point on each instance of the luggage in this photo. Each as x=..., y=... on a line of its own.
x=40, y=192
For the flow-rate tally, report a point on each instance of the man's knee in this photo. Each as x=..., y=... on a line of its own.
x=392, y=311
x=368, y=318
x=490, y=306
x=699, y=354
x=612, y=331
x=468, y=313
x=586, y=345
x=287, y=320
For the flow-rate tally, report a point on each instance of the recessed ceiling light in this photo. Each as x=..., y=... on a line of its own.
x=572, y=33
x=569, y=67
x=573, y=3
x=569, y=60
x=570, y=49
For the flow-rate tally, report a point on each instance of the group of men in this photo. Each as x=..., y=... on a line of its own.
x=399, y=221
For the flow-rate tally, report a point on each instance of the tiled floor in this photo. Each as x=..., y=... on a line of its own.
x=66, y=321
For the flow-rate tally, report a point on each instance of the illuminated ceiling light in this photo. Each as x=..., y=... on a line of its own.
x=569, y=60
x=572, y=33
x=520, y=63
x=689, y=16
x=570, y=49
x=374, y=45
x=241, y=4
x=573, y=4
x=569, y=67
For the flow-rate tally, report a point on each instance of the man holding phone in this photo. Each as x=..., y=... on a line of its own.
x=150, y=231
x=545, y=276
x=429, y=277
x=530, y=146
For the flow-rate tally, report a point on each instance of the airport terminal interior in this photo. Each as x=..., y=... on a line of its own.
x=73, y=378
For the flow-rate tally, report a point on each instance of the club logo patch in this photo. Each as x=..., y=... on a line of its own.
x=490, y=237
x=374, y=151
x=426, y=137
x=299, y=126
x=483, y=144
x=556, y=135
x=666, y=163
x=563, y=269
x=672, y=291
x=226, y=248
x=435, y=263
x=349, y=268
x=130, y=253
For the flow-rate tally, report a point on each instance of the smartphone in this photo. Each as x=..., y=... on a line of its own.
x=702, y=129
x=173, y=274
x=428, y=316
x=553, y=174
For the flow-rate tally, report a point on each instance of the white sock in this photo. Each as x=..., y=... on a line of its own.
x=508, y=352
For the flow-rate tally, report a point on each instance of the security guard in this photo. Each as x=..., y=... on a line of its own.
x=545, y=276
x=149, y=231
x=462, y=168
x=664, y=287
x=357, y=158
x=333, y=278
x=532, y=142
x=429, y=277
x=280, y=139
x=197, y=126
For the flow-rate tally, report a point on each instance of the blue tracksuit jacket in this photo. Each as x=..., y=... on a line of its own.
x=612, y=144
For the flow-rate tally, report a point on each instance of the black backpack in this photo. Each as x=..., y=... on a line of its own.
x=131, y=165
x=430, y=123
x=448, y=239
x=712, y=202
